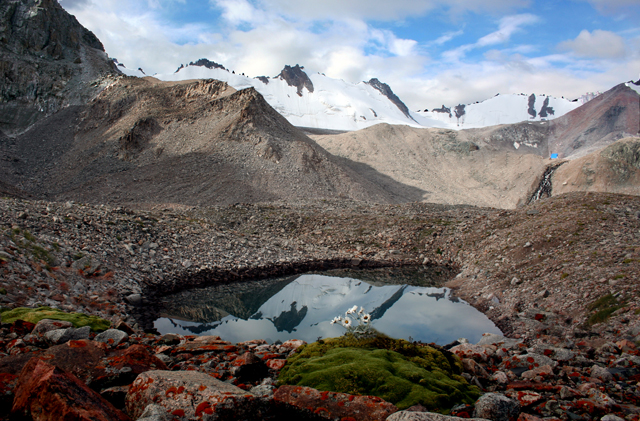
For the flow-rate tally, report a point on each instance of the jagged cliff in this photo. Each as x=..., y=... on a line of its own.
x=47, y=61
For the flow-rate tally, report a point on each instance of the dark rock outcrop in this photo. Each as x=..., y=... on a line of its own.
x=203, y=62
x=386, y=91
x=295, y=76
x=47, y=60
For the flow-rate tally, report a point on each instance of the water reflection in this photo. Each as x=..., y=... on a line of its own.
x=303, y=307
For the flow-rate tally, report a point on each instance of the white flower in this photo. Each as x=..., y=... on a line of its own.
x=346, y=323
x=366, y=318
x=352, y=310
x=361, y=311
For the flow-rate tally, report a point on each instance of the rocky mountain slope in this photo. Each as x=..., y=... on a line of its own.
x=614, y=169
x=200, y=142
x=47, y=61
x=499, y=166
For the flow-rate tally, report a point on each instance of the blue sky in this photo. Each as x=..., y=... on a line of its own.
x=431, y=52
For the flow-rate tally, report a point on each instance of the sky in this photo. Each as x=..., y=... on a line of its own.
x=431, y=52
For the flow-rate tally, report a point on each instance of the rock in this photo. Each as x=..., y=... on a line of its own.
x=47, y=325
x=170, y=339
x=263, y=390
x=116, y=395
x=601, y=373
x=544, y=371
x=191, y=395
x=293, y=344
x=500, y=377
x=112, y=337
x=21, y=327
x=79, y=358
x=476, y=352
x=8, y=384
x=249, y=368
x=332, y=405
x=611, y=417
x=123, y=366
x=425, y=416
x=525, y=397
x=155, y=413
x=60, y=336
x=499, y=340
x=470, y=366
x=529, y=361
x=276, y=363
x=496, y=407
x=134, y=299
x=121, y=325
x=45, y=392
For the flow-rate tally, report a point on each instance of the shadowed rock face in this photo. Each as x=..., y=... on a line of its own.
x=386, y=91
x=295, y=76
x=47, y=60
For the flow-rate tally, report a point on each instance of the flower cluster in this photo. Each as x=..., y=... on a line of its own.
x=357, y=322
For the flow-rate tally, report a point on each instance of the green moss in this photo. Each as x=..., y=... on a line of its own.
x=34, y=315
x=3, y=291
x=604, y=307
x=397, y=371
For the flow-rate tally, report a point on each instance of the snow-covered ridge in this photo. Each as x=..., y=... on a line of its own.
x=317, y=101
x=501, y=109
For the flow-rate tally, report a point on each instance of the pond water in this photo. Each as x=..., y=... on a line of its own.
x=401, y=305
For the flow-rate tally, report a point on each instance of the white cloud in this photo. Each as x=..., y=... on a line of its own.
x=448, y=36
x=238, y=11
x=385, y=9
x=596, y=44
x=506, y=28
x=612, y=6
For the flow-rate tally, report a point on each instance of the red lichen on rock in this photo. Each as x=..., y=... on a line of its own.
x=45, y=392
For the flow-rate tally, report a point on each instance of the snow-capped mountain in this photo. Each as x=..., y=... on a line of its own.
x=316, y=101
x=501, y=109
x=313, y=100
x=304, y=308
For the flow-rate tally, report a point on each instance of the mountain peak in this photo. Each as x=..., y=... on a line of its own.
x=295, y=76
x=386, y=91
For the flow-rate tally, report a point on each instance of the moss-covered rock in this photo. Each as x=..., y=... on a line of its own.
x=34, y=315
x=397, y=371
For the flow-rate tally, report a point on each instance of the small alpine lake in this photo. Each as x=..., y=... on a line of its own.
x=402, y=302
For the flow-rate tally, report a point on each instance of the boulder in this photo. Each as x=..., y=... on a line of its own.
x=332, y=405
x=475, y=352
x=155, y=413
x=60, y=336
x=123, y=366
x=496, y=407
x=79, y=358
x=45, y=392
x=249, y=368
x=426, y=416
x=112, y=337
x=47, y=325
x=21, y=327
x=191, y=395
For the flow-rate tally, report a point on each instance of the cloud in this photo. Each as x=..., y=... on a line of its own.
x=238, y=11
x=596, y=44
x=506, y=28
x=613, y=6
x=385, y=9
x=448, y=36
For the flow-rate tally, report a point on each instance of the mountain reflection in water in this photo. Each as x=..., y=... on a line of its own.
x=302, y=308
